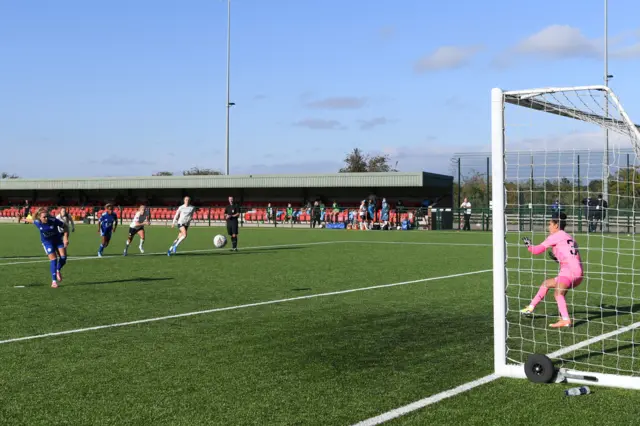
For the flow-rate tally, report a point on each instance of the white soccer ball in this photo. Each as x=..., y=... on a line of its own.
x=219, y=241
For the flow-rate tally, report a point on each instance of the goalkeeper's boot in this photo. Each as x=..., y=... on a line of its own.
x=527, y=310
x=58, y=275
x=561, y=323
x=54, y=284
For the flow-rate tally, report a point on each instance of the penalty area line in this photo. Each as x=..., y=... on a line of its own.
x=237, y=307
x=417, y=405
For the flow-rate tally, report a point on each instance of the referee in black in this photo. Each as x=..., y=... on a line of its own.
x=232, y=213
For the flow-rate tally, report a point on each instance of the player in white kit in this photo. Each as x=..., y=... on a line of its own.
x=182, y=219
x=68, y=227
x=140, y=219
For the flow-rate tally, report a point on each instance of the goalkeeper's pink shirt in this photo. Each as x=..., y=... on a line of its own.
x=565, y=250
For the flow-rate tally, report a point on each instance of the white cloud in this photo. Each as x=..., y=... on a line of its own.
x=319, y=124
x=627, y=52
x=559, y=41
x=374, y=122
x=446, y=57
x=339, y=102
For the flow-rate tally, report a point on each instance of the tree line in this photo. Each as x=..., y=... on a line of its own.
x=624, y=190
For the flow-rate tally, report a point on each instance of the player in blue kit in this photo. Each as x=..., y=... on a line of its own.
x=107, y=225
x=51, y=236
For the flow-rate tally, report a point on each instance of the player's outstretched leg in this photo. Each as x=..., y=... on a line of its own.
x=542, y=292
x=181, y=237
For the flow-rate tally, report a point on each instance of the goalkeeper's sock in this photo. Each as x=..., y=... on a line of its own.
x=61, y=262
x=538, y=297
x=562, y=306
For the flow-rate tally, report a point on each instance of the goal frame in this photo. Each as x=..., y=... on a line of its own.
x=501, y=367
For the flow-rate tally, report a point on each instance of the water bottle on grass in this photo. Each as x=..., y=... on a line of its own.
x=582, y=390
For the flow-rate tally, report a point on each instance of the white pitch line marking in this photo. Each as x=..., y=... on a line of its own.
x=232, y=308
x=165, y=253
x=401, y=411
x=417, y=405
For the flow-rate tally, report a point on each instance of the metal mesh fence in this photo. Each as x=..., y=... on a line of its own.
x=539, y=183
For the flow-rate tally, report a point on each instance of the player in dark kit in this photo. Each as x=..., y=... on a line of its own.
x=232, y=213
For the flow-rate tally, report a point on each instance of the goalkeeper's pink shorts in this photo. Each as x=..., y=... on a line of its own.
x=569, y=282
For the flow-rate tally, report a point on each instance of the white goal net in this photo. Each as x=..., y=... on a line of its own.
x=573, y=151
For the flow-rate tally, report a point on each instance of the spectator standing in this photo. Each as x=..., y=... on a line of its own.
x=371, y=213
x=362, y=213
x=26, y=210
x=289, y=216
x=466, y=205
x=590, y=212
x=384, y=215
x=316, y=214
x=600, y=213
x=335, y=212
x=399, y=212
x=269, y=213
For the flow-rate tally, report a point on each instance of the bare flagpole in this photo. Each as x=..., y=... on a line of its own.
x=229, y=103
x=605, y=181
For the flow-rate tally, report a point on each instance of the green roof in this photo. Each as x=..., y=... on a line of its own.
x=335, y=180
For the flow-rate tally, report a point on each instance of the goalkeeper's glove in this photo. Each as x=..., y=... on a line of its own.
x=552, y=256
x=527, y=241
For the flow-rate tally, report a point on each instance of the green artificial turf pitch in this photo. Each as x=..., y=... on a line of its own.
x=335, y=359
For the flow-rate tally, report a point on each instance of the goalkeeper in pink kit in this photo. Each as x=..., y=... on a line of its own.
x=564, y=250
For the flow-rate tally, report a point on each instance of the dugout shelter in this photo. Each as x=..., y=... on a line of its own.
x=253, y=192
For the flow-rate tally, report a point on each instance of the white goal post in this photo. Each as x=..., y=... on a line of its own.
x=557, y=149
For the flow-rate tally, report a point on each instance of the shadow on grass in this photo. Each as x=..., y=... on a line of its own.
x=20, y=257
x=611, y=350
x=126, y=280
x=228, y=252
x=398, y=341
x=607, y=311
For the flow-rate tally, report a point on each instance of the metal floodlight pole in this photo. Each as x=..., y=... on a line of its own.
x=229, y=103
x=605, y=180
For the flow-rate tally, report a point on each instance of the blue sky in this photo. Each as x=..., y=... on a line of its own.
x=134, y=87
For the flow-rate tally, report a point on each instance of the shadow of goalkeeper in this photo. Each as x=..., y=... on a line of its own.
x=607, y=311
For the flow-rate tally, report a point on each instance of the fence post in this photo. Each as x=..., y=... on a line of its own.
x=488, y=193
x=579, y=196
x=459, y=193
x=628, y=188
